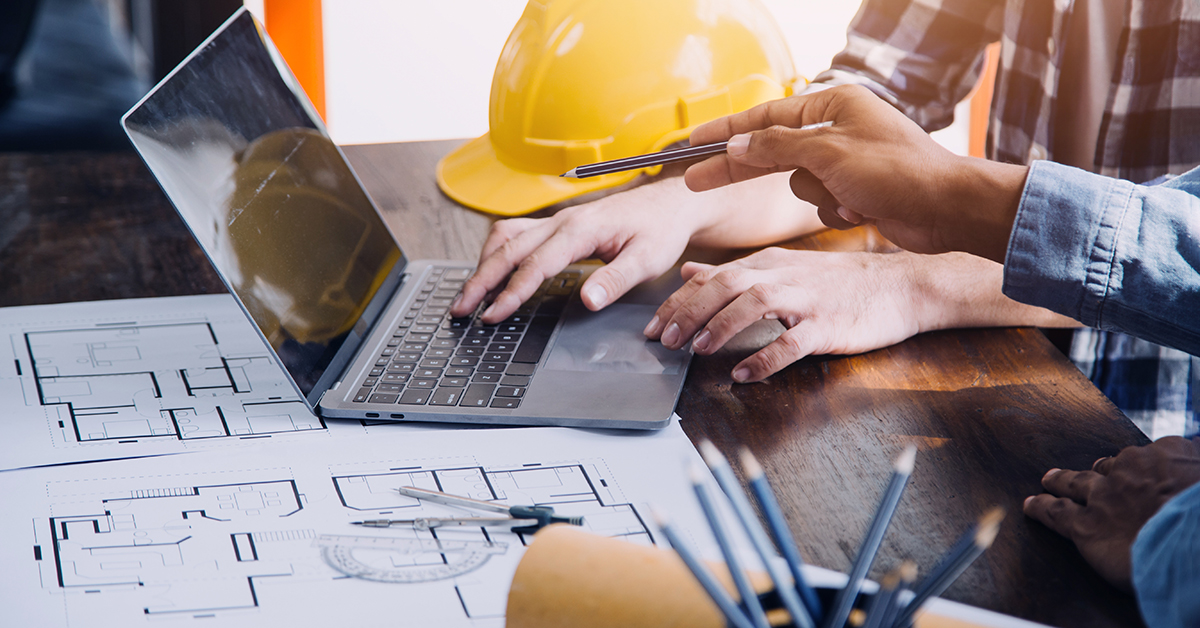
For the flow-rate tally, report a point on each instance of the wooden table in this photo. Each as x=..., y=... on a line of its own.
x=991, y=410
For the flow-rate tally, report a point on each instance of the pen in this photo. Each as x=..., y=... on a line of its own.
x=669, y=156
x=844, y=602
x=719, y=596
x=750, y=601
x=779, y=529
x=745, y=513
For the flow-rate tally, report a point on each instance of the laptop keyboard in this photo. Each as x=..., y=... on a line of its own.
x=433, y=359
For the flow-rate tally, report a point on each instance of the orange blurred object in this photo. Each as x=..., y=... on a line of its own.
x=295, y=27
x=981, y=104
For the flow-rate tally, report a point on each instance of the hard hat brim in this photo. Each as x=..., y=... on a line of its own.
x=473, y=175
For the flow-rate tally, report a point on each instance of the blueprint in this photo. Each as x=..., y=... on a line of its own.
x=142, y=377
x=260, y=534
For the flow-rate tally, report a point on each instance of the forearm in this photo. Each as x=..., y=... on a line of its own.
x=956, y=290
x=1166, y=569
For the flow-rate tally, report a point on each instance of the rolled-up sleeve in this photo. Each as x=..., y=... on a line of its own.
x=1110, y=254
x=1166, y=564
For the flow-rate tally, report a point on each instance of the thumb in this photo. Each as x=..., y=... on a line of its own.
x=778, y=147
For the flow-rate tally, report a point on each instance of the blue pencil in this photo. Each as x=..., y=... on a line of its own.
x=719, y=596
x=883, y=607
x=779, y=529
x=745, y=513
x=750, y=600
x=844, y=602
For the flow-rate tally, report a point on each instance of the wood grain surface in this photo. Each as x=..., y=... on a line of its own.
x=991, y=410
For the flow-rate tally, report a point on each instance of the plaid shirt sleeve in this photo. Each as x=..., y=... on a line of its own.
x=922, y=56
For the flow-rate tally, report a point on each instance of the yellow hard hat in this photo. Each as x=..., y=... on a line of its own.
x=581, y=81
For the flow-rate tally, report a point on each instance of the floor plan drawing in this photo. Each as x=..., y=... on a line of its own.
x=141, y=377
x=258, y=536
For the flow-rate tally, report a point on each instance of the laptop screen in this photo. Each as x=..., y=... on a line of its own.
x=270, y=198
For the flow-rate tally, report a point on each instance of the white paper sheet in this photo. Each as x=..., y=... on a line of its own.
x=259, y=535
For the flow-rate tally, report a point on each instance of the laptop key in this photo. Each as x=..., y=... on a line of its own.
x=507, y=403
x=376, y=372
x=514, y=380
x=457, y=273
x=444, y=293
x=421, y=383
x=487, y=378
x=475, y=342
x=473, y=352
x=509, y=391
x=506, y=337
x=433, y=363
x=429, y=320
x=387, y=351
x=450, y=333
x=435, y=311
x=535, y=340
x=496, y=357
x=383, y=398
x=521, y=369
x=457, y=323
x=424, y=329
x=445, y=397
x=413, y=347
x=517, y=318
x=406, y=357
x=362, y=395
x=428, y=373
x=459, y=371
x=454, y=382
x=415, y=397
x=382, y=361
x=464, y=361
x=502, y=346
x=444, y=344
x=511, y=328
x=412, y=337
x=477, y=395
x=390, y=388
x=491, y=367
x=481, y=331
x=394, y=378
x=370, y=381
x=439, y=353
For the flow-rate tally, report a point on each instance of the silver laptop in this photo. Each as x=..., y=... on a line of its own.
x=362, y=331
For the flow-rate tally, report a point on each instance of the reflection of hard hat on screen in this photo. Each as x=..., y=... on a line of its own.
x=581, y=81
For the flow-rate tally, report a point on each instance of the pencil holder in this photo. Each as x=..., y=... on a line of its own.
x=571, y=578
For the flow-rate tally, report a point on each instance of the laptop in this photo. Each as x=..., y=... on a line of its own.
x=362, y=331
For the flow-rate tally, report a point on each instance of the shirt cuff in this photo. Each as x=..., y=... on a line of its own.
x=1073, y=218
x=1166, y=563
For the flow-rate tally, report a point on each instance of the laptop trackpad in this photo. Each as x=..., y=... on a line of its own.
x=611, y=341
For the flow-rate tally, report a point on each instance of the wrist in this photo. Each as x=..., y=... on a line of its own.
x=984, y=198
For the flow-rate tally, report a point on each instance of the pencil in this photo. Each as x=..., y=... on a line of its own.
x=874, y=537
x=745, y=513
x=883, y=607
x=957, y=560
x=779, y=530
x=720, y=597
x=750, y=601
x=669, y=156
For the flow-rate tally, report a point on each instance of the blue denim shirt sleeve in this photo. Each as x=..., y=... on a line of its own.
x=1109, y=253
x=1166, y=564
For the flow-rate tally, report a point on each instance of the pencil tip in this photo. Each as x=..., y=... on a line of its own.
x=357, y=523
x=989, y=527
x=750, y=465
x=908, y=572
x=907, y=460
x=712, y=456
x=570, y=174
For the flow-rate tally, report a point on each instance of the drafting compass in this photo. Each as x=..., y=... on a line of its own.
x=524, y=519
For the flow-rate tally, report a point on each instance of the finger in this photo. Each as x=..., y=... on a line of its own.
x=1102, y=465
x=1075, y=485
x=831, y=218
x=719, y=171
x=685, y=292
x=807, y=187
x=758, y=301
x=544, y=262
x=794, y=112
x=790, y=346
x=639, y=261
x=690, y=269
x=508, y=243
x=708, y=299
x=1059, y=514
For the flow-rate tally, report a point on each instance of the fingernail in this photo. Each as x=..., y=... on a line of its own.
x=488, y=312
x=1050, y=474
x=597, y=295
x=671, y=336
x=740, y=375
x=847, y=215
x=738, y=144
x=652, y=326
x=455, y=302
x=1027, y=500
x=700, y=344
